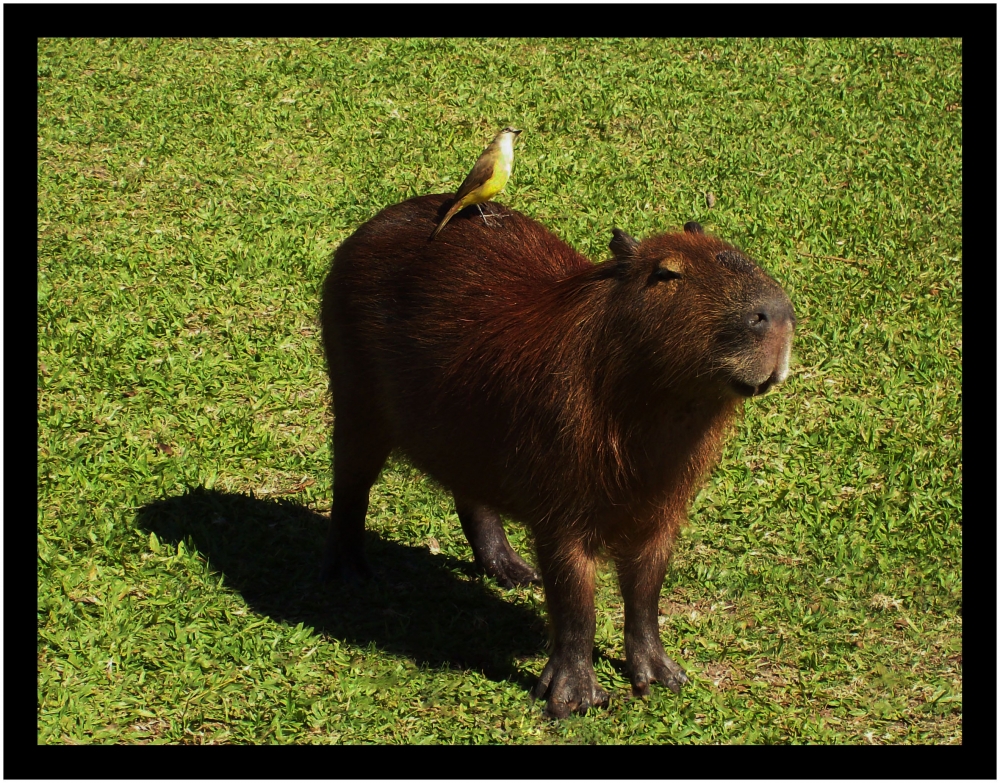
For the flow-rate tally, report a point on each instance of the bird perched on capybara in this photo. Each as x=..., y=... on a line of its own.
x=586, y=400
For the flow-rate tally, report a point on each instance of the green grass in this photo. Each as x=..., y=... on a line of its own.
x=190, y=194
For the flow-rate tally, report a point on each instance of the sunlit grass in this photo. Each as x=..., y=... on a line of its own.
x=190, y=193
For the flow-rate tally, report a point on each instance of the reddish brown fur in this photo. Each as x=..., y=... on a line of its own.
x=585, y=400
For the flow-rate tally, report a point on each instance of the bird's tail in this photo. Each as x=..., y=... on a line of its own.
x=444, y=221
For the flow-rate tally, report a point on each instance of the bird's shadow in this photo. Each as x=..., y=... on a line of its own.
x=433, y=609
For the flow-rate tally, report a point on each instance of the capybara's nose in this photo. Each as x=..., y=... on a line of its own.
x=773, y=311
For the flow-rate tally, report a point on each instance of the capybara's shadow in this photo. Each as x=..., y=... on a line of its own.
x=419, y=605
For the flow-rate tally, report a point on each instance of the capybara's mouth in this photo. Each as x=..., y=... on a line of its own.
x=746, y=390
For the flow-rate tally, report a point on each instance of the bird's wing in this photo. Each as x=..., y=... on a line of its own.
x=479, y=176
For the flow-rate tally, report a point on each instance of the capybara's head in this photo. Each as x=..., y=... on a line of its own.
x=711, y=316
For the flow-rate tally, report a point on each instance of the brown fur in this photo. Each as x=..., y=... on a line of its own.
x=585, y=400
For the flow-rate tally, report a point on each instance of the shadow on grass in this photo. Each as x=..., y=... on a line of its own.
x=418, y=606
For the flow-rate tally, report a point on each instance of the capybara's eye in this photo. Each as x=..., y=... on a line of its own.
x=663, y=273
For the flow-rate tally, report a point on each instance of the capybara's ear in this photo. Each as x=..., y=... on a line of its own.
x=622, y=245
x=693, y=228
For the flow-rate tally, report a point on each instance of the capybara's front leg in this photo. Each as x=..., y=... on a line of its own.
x=494, y=554
x=640, y=575
x=568, y=681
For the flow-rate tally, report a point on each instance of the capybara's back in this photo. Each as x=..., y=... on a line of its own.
x=585, y=400
x=437, y=346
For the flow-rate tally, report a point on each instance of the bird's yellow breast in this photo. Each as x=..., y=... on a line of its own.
x=501, y=173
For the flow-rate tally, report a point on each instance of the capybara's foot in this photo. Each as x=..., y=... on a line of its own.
x=494, y=555
x=569, y=687
x=655, y=666
x=511, y=571
x=345, y=570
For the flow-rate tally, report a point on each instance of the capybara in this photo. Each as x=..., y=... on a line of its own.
x=585, y=400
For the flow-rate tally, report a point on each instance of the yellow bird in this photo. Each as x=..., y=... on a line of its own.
x=487, y=177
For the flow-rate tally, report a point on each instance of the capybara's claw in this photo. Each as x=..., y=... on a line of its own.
x=656, y=667
x=345, y=571
x=512, y=574
x=569, y=688
x=675, y=681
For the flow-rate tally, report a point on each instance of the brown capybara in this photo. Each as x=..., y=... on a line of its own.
x=586, y=400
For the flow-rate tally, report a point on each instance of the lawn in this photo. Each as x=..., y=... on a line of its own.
x=190, y=194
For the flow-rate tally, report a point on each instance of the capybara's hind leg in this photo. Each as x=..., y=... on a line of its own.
x=358, y=456
x=494, y=554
